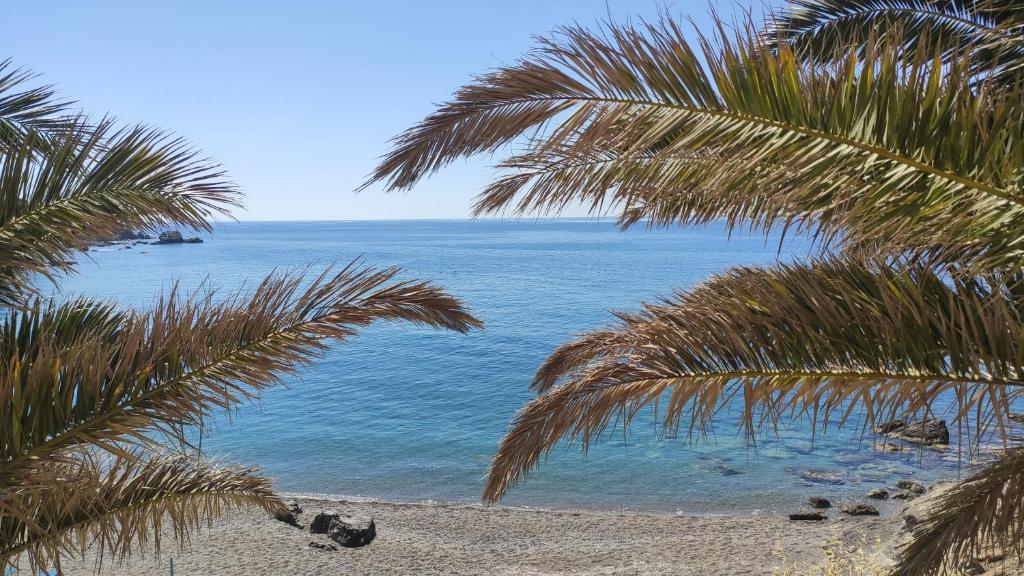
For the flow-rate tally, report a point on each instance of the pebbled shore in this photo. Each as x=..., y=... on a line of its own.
x=428, y=539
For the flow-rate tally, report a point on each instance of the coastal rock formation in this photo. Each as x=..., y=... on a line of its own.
x=348, y=531
x=808, y=516
x=860, y=510
x=819, y=502
x=175, y=237
x=291, y=515
x=879, y=494
x=927, y=432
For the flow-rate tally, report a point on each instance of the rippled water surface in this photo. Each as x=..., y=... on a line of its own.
x=413, y=414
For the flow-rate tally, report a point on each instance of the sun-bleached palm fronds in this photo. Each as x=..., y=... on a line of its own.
x=828, y=341
x=990, y=30
x=875, y=148
x=983, y=512
x=117, y=506
x=94, y=181
x=79, y=373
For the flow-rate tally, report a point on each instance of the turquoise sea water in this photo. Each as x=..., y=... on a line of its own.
x=413, y=414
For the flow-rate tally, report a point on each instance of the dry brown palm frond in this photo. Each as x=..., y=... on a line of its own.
x=984, y=511
x=82, y=374
x=118, y=506
x=828, y=341
x=876, y=148
x=94, y=181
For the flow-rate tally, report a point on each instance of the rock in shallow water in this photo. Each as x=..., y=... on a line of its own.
x=819, y=502
x=349, y=531
x=860, y=510
x=932, y=431
x=879, y=494
x=808, y=516
x=823, y=476
x=911, y=486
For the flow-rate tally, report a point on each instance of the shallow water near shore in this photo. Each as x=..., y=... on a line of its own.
x=411, y=414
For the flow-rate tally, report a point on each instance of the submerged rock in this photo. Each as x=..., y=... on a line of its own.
x=348, y=531
x=904, y=495
x=860, y=510
x=820, y=476
x=808, y=516
x=879, y=494
x=819, y=502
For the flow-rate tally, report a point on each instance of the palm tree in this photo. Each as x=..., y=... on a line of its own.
x=889, y=131
x=98, y=403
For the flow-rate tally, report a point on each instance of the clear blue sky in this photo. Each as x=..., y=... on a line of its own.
x=296, y=99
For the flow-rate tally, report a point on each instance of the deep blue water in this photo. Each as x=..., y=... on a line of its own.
x=415, y=414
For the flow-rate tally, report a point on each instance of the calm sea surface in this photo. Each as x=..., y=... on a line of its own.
x=414, y=414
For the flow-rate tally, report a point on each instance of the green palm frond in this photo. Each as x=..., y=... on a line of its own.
x=983, y=512
x=94, y=181
x=829, y=341
x=878, y=149
x=117, y=506
x=113, y=378
x=26, y=110
x=990, y=30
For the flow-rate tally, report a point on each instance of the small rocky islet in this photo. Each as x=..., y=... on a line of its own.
x=128, y=239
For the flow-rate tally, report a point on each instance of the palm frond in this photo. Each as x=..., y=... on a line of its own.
x=875, y=149
x=990, y=30
x=111, y=378
x=93, y=181
x=117, y=506
x=983, y=512
x=26, y=110
x=828, y=341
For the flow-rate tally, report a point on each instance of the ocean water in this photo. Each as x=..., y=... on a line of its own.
x=414, y=414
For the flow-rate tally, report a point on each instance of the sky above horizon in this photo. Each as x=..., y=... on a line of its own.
x=297, y=100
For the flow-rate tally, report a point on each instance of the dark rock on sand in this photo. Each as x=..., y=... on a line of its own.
x=319, y=546
x=349, y=531
x=819, y=502
x=879, y=494
x=860, y=510
x=808, y=516
x=819, y=476
x=911, y=486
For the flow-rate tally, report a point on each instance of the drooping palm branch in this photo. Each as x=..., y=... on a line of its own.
x=829, y=340
x=879, y=150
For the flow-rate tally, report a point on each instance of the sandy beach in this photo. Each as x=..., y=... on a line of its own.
x=431, y=539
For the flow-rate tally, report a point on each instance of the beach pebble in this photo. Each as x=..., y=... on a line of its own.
x=811, y=516
x=819, y=502
x=860, y=510
x=879, y=494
